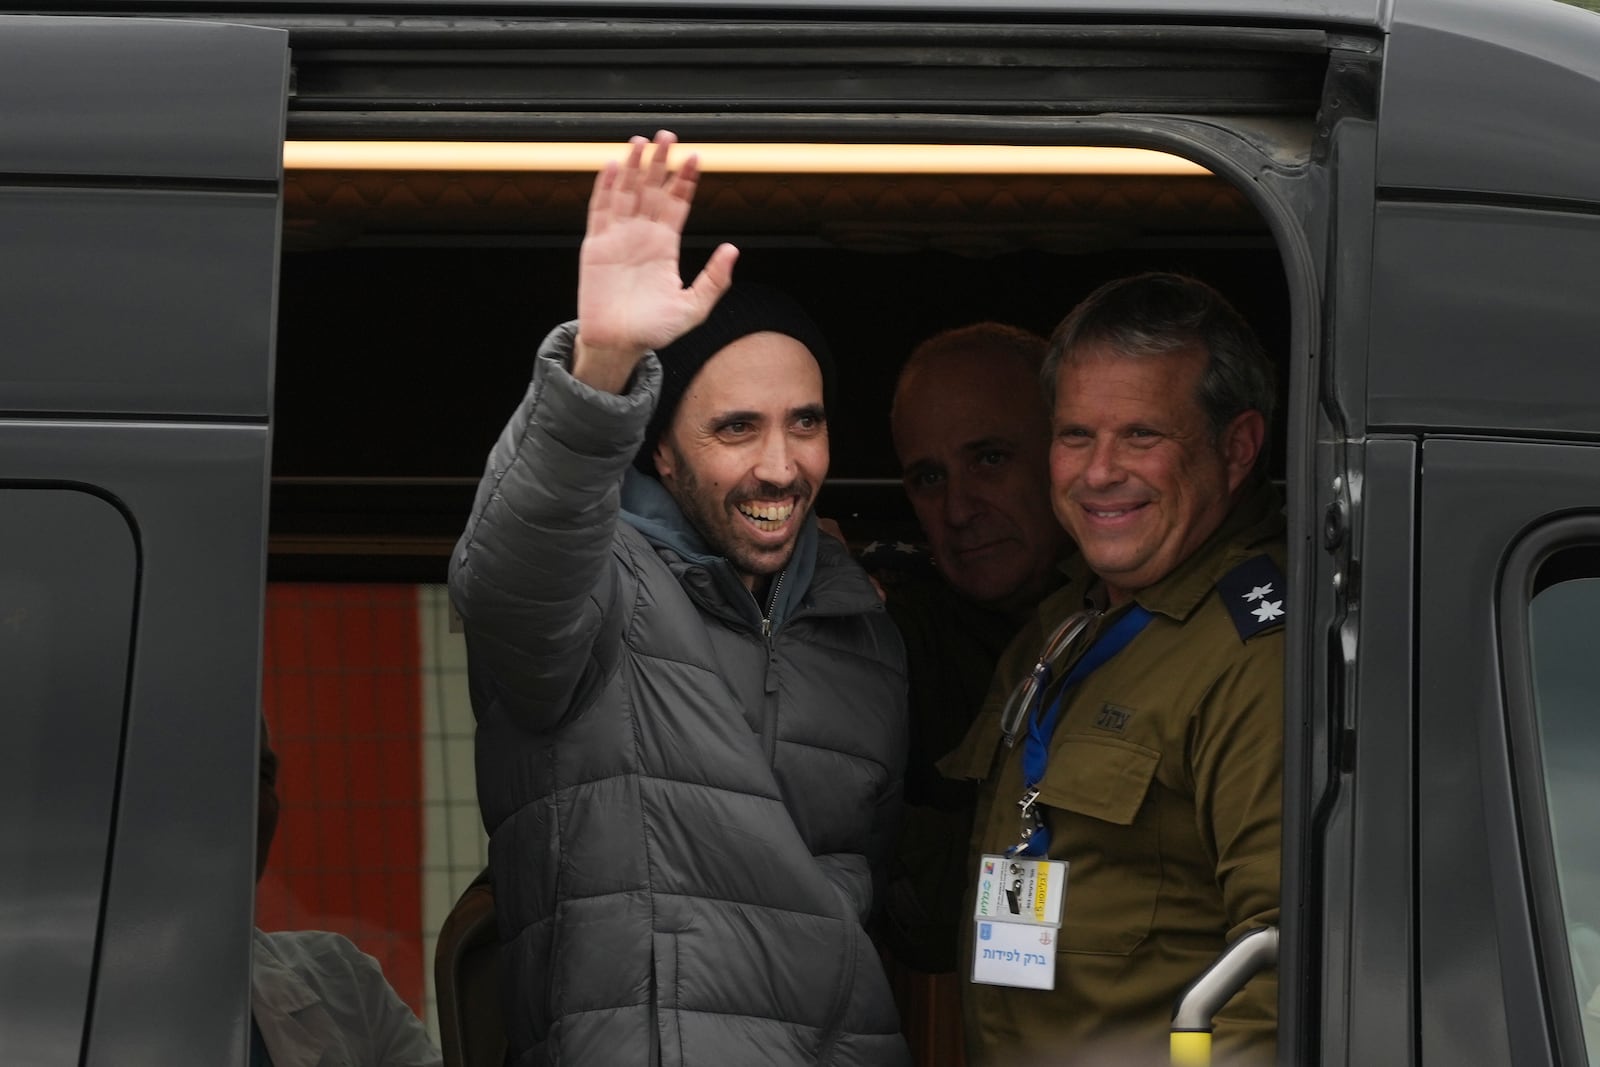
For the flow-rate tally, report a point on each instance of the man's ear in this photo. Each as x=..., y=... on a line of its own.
x=662, y=458
x=1241, y=445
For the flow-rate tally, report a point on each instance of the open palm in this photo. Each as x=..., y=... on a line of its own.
x=631, y=296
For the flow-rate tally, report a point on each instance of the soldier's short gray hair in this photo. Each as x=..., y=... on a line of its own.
x=1157, y=314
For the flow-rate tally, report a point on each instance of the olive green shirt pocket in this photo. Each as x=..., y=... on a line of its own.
x=1095, y=790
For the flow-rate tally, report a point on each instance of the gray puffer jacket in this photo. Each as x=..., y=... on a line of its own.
x=686, y=815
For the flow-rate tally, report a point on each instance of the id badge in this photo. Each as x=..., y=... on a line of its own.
x=1014, y=954
x=1019, y=890
x=1017, y=920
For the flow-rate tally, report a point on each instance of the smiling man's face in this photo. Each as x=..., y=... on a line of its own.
x=748, y=450
x=1138, y=477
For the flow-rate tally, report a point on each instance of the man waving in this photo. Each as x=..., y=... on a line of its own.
x=691, y=707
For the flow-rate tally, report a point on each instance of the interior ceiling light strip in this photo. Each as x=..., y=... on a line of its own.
x=737, y=158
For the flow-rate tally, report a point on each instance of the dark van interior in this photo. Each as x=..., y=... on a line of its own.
x=411, y=304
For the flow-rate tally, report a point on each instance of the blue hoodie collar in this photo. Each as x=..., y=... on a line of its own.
x=650, y=509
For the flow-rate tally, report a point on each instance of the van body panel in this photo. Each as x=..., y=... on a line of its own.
x=1280, y=12
x=1316, y=939
x=170, y=971
x=1370, y=1007
x=1483, y=996
x=1491, y=97
x=173, y=978
x=68, y=565
x=827, y=81
x=180, y=332
x=1483, y=318
x=116, y=98
x=139, y=210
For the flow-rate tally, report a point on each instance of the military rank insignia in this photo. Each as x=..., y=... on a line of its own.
x=1256, y=596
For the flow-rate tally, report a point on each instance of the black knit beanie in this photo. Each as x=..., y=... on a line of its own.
x=744, y=309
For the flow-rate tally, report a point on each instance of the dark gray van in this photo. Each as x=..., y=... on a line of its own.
x=1404, y=195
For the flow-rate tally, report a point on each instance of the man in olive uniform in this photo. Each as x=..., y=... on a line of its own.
x=1152, y=753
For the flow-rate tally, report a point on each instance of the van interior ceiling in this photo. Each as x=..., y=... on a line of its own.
x=412, y=299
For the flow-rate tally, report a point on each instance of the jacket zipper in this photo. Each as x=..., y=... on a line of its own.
x=772, y=603
x=769, y=682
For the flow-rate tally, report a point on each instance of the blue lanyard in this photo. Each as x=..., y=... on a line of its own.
x=1036, y=746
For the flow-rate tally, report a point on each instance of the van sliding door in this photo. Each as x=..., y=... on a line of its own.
x=140, y=169
x=1485, y=247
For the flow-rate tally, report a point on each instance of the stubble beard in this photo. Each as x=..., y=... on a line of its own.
x=713, y=520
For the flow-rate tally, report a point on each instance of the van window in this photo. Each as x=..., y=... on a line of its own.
x=364, y=690
x=1566, y=682
x=411, y=306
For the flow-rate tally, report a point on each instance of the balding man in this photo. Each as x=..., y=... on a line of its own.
x=972, y=432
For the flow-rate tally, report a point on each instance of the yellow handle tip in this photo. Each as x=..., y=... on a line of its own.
x=1191, y=1049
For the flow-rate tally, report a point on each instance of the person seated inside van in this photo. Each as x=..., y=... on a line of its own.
x=1130, y=754
x=315, y=998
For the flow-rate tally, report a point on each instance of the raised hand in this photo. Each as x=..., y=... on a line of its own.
x=631, y=297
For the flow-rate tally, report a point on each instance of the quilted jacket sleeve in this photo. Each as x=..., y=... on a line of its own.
x=535, y=577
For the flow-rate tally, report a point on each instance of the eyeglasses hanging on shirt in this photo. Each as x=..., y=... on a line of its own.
x=1026, y=706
